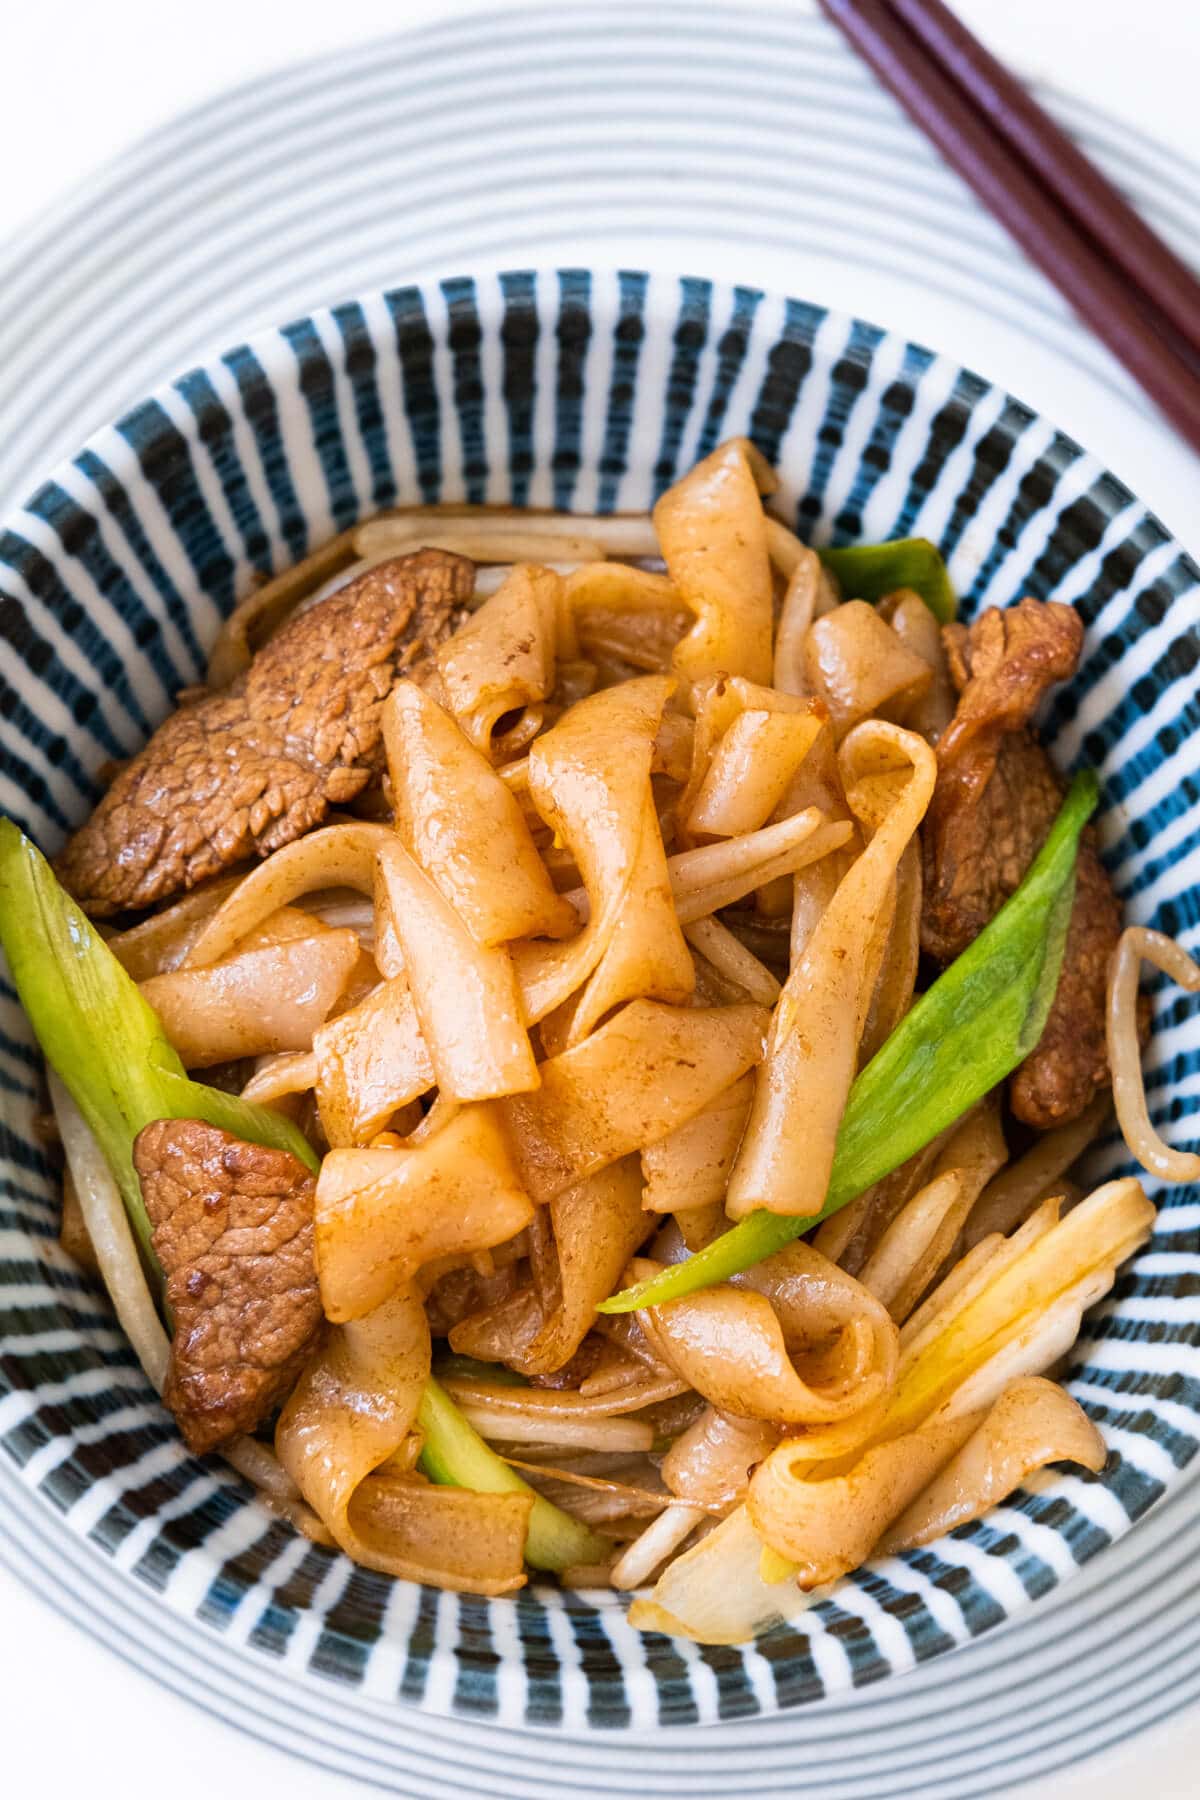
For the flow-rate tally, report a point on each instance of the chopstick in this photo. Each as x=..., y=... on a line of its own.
x=1036, y=200
x=1060, y=164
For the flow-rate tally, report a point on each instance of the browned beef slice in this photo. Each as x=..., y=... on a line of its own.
x=241, y=772
x=997, y=795
x=1070, y=1063
x=233, y=1229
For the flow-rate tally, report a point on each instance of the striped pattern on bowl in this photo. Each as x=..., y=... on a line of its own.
x=587, y=391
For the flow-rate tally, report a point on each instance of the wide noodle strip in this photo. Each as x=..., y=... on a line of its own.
x=796, y=1340
x=159, y=943
x=712, y=1461
x=713, y=537
x=589, y=777
x=464, y=827
x=751, y=770
x=370, y=1061
x=646, y=1071
x=351, y=1411
x=954, y=1340
x=332, y=857
x=917, y=627
x=826, y=1524
x=382, y=1213
x=595, y=1227
x=1033, y=1423
x=785, y=1159
x=466, y=996
x=272, y=998
x=504, y=657
x=860, y=667
x=690, y=1167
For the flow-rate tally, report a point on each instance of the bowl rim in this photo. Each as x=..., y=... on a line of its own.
x=272, y=350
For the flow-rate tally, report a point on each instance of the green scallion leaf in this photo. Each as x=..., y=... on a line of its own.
x=454, y=1455
x=969, y=1031
x=870, y=571
x=98, y=1033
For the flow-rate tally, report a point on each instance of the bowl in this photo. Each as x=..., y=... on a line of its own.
x=583, y=390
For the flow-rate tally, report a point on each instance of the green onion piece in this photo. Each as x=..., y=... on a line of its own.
x=454, y=1455
x=981, y=1018
x=100, y=1036
x=869, y=571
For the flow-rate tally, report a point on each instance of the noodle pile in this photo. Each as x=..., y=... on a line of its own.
x=646, y=900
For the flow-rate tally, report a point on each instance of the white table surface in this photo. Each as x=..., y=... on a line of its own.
x=83, y=80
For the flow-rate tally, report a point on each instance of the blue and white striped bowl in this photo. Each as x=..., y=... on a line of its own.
x=581, y=390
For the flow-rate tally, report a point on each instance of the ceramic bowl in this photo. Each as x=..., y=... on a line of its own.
x=588, y=391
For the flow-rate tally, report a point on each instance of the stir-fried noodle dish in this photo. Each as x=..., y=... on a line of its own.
x=570, y=1051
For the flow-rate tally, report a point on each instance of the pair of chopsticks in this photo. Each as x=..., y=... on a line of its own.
x=1119, y=276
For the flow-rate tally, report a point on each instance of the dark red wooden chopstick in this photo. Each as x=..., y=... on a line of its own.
x=1059, y=164
x=1111, y=299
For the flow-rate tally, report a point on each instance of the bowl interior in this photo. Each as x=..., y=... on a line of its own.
x=586, y=391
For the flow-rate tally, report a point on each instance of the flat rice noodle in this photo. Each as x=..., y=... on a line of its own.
x=159, y=943
x=715, y=1594
x=1007, y=1201
x=589, y=777
x=919, y=630
x=794, y=1340
x=1033, y=1423
x=826, y=1525
x=690, y=1167
x=273, y=998
x=466, y=997
x=382, y=1213
x=1004, y=1306
x=351, y=1411
x=897, y=980
x=370, y=1062
x=504, y=657
x=913, y=1248
x=463, y=826
x=642, y=1074
x=332, y=857
x=712, y=533
x=716, y=704
x=711, y=1462
x=596, y=1225
x=800, y=1093
x=750, y=771
x=859, y=667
